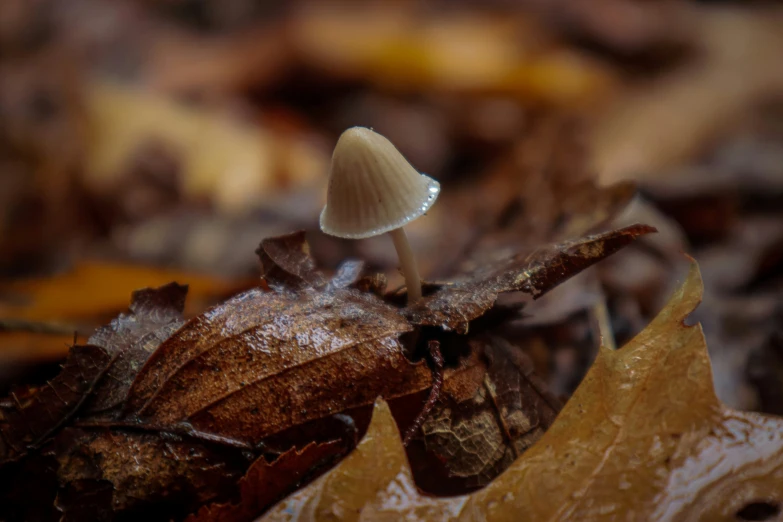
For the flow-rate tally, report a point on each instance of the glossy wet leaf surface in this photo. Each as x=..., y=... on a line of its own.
x=159, y=407
x=644, y=422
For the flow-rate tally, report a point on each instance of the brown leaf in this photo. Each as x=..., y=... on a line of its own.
x=29, y=417
x=116, y=471
x=482, y=424
x=644, y=422
x=286, y=262
x=265, y=483
x=456, y=304
x=299, y=350
x=265, y=361
x=373, y=483
x=131, y=338
x=541, y=192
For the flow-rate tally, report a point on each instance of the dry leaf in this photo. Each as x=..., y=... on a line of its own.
x=457, y=303
x=643, y=438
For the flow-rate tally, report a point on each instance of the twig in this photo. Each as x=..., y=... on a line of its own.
x=436, y=358
x=601, y=315
x=42, y=327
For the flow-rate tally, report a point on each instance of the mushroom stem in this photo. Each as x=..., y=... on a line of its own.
x=407, y=264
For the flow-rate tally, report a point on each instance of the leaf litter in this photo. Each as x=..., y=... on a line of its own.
x=185, y=408
x=645, y=422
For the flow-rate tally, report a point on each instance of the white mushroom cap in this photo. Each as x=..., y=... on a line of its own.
x=372, y=187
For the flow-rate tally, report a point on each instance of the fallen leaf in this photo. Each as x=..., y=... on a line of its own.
x=671, y=119
x=482, y=424
x=542, y=193
x=26, y=346
x=114, y=471
x=462, y=52
x=373, y=483
x=179, y=410
x=645, y=422
x=457, y=303
x=32, y=415
x=131, y=338
x=264, y=483
x=95, y=290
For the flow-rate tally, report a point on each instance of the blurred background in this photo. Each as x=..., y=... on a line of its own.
x=149, y=141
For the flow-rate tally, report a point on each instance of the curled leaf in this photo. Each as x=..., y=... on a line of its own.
x=644, y=437
x=453, y=306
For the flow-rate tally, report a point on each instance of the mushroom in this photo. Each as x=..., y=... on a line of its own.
x=373, y=190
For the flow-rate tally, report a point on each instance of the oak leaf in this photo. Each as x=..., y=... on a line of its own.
x=644, y=437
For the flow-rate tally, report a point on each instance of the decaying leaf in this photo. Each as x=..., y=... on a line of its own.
x=115, y=471
x=266, y=483
x=486, y=418
x=268, y=360
x=373, y=483
x=179, y=410
x=132, y=338
x=29, y=416
x=645, y=423
x=456, y=304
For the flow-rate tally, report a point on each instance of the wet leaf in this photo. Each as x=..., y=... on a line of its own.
x=266, y=483
x=180, y=409
x=469, y=296
x=483, y=423
x=131, y=338
x=644, y=422
x=373, y=483
x=268, y=360
x=116, y=471
x=31, y=415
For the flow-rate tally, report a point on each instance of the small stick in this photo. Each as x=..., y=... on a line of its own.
x=437, y=383
x=601, y=315
x=38, y=327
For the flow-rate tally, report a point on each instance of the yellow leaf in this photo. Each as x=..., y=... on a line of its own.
x=95, y=289
x=372, y=483
x=644, y=437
